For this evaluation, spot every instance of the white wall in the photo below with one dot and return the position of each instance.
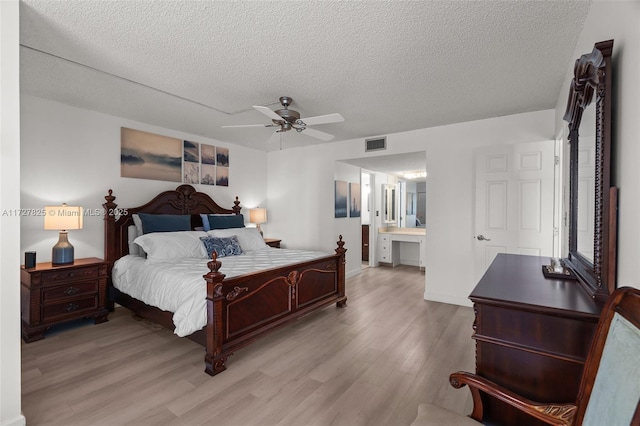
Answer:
(10, 384)
(72, 155)
(618, 21)
(303, 205)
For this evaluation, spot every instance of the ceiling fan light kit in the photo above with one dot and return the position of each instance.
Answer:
(286, 119)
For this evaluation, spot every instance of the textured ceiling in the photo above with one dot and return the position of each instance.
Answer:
(387, 67)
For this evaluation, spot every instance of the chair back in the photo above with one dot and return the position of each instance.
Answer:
(610, 387)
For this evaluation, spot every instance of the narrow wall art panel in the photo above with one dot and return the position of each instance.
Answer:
(208, 159)
(354, 200)
(191, 162)
(222, 167)
(341, 197)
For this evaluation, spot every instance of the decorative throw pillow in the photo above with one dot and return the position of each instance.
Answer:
(223, 246)
(205, 219)
(165, 222)
(225, 222)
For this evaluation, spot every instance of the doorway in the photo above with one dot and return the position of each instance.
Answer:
(365, 217)
(406, 172)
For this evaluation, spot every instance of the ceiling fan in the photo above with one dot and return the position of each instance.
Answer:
(286, 119)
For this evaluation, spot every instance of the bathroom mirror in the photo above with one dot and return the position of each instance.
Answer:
(389, 204)
(593, 202)
(412, 199)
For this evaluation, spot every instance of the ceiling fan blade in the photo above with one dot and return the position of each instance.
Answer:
(268, 112)
(250, 125)
(322, 119)
(317, 134)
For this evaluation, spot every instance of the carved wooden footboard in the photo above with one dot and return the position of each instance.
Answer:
(241, 309)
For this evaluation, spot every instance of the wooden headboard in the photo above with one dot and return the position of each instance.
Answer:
(183, 200)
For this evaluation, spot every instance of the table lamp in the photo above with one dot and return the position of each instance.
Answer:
(258, 216)
(62, 218)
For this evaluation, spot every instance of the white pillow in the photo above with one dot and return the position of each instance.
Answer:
(249, 238)
(134, 249)
(173, 245)
(138, 223)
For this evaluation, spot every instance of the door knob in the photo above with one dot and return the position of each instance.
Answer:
(481, 237)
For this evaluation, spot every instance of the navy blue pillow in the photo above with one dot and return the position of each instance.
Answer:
(223, 246)
(225, 222)
(165, 222)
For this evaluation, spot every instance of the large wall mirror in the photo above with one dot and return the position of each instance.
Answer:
(593, 202)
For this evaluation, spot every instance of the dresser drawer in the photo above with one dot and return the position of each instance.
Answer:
(70, 274)
(552, 334)
(384, 245)
(69, 308)
(70, 290)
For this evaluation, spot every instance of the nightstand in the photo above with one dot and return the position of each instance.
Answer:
(51, 295)
(272, 242)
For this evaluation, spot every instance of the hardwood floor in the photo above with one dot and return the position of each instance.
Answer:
(371, 363)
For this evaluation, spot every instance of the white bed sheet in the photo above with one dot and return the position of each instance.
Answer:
(179, 287)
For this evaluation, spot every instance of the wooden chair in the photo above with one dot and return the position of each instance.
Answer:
(609, 390)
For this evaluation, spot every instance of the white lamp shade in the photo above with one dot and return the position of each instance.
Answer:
(63, 218)
(258, 215)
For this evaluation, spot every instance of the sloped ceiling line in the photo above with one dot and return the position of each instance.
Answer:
(249, 108)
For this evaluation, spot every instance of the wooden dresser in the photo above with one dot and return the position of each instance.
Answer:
(532, 334)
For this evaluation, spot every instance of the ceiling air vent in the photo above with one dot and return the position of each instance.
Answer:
(375, 144)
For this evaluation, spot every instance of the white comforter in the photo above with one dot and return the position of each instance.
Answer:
(178, 286)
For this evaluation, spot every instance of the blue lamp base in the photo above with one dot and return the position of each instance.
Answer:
(62, 252)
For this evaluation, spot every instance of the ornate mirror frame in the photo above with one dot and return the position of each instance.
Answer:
(592, 83)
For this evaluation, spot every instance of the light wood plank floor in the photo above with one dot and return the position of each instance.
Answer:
(371, 363)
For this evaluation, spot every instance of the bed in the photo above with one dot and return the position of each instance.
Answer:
(239, 308)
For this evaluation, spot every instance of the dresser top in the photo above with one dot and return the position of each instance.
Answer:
(47, 266)
(517, 281)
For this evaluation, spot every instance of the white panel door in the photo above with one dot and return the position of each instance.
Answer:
(514, 201)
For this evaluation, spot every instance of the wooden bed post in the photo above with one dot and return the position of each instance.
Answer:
(341, 273)
(214, 359)
(109, 240)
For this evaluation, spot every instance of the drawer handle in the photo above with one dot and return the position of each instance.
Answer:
(71, 290)
(70, 274)
(71, 307)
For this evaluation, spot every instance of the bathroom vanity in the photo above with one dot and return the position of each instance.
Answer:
(401, 246)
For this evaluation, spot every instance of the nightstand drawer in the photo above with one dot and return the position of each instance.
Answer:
(72, 308)
(70, 290)
(70, 274)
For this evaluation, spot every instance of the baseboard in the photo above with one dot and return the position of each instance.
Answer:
(16, 421)
(447, 298)
(353, 273)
